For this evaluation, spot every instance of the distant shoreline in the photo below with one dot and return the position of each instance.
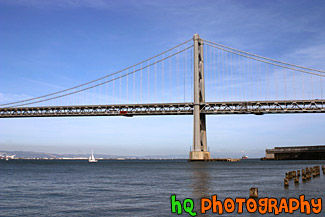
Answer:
(106, 159)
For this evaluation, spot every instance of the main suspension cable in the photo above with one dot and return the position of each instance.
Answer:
(62, 91)
(121, 76)
(273, 60)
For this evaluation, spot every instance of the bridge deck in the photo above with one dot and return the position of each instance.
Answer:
(211, 108)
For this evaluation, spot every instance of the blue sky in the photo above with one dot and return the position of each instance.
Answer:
(47, 46)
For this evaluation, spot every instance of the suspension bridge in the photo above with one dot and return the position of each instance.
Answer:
(198, 77)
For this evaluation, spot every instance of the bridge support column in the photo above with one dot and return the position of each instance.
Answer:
(199, 150)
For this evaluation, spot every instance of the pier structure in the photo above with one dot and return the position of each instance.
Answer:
(296, 153)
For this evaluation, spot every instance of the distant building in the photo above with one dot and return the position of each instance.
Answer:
(296, 153)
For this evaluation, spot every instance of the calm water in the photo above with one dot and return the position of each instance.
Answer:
(139, 188)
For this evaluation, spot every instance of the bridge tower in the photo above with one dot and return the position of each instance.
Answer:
(199, 150)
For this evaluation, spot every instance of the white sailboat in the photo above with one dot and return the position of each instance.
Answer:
(92, 158)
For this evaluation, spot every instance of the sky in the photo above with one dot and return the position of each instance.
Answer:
(47, 46)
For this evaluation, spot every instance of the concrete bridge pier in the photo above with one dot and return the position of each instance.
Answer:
(200, 149)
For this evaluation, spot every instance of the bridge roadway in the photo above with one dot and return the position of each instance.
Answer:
(209, 108)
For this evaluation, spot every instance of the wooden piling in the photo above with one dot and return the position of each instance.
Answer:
(304, 177)
(253, 193)
(296, 180)
(314, 172)
(286, 183)
(318, 170)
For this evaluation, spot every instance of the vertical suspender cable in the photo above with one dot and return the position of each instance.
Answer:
(312, 87)
(260, 81)
(222, 77)
(276, 82)
(155, 80)
(177, 76)
(243, 72)
(285, 84)
(163, 79)
(218, 77)
(206, 67)
(294, 86)
(170, 79)
(241, 83)
(127, 86)
(114, 98)
(214, 75)
(251, 79)
(105, 92)
(268, 81)
(141, 85)
(303, 85)
(120, 89)
(231, 76)
(321, 87)
(148, 84)
(99, 95)
(134, 85)
(185, 74)
(226, 76)
(192, 97)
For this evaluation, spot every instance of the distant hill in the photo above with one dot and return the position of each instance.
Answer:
(30, 154)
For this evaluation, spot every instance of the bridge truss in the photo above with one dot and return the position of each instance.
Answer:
(209, 108)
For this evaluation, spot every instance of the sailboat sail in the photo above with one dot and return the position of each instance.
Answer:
(92, 158)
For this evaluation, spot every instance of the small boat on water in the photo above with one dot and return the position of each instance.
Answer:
(244, 157)
(92, 158)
